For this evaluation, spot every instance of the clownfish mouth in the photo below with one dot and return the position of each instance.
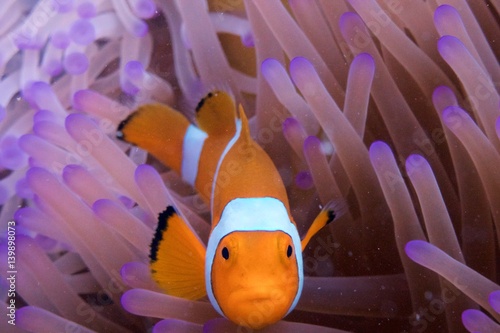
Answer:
(269, 302)
(256, 308)
(274, 295)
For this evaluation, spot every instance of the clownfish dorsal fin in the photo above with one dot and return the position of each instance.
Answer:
(245, 129)
(330, 212)
(216, 113)
(177, 257)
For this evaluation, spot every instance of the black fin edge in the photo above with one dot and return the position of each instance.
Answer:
(163, 218)
(335, 209)
(331, 216)
(203, 100)
(123, 123)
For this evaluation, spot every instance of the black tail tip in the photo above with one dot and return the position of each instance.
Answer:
(162, 226)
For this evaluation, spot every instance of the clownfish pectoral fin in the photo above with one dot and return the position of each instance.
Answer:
(330, 212)
(158, 129)
(216, 113)
(177, 258)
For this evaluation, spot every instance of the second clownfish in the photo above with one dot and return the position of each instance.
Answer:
(251, 269)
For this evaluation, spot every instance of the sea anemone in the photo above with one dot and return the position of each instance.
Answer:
(390, 106)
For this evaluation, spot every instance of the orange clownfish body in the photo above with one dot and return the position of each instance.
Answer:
(251, 268)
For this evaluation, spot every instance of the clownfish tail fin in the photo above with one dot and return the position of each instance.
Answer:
(177, 257)
(216, 113)
(158, 129)
(330, 212)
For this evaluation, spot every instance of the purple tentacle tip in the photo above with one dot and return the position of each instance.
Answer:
(413, 162)
(476, 321)
(145, 9)
(23, 190)
(469, 317)
(304, 180)
(70, 171)
(454, 116)
(128, 298)
(311, 141)
(366, 61)
(448, 46)
(79, 99)
(377, 149)
(346, 20)
(33, 92)
(144, 169)
(134, 70)
(443, 12)
(44, 115)
(25, 42)
(73, 123)
(140, 28)
(76, 63)
(497, 127)
(34, 173)
(53, 67)
(86, 10)
(247, 40)
(442, 97)
(82, 32)
(441, 90)
(129, 88)
(126, 201)
(62, 6)
(299, 64)
(416, 249)
(60, 40)
(289, 123)
(269, 68)
(494, 300)
(11, 155)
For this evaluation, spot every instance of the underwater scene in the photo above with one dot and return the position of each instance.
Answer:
(250, 166)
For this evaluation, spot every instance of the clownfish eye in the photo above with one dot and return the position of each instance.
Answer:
(225, 253)
(289, 251)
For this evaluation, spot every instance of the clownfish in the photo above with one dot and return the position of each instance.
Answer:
(251, 269)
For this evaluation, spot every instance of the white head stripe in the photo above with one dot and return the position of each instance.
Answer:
(252, 214)
(191, 151)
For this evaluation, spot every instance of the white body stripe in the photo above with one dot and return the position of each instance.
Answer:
(252, 214)
(191, 151)
(229, 145)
